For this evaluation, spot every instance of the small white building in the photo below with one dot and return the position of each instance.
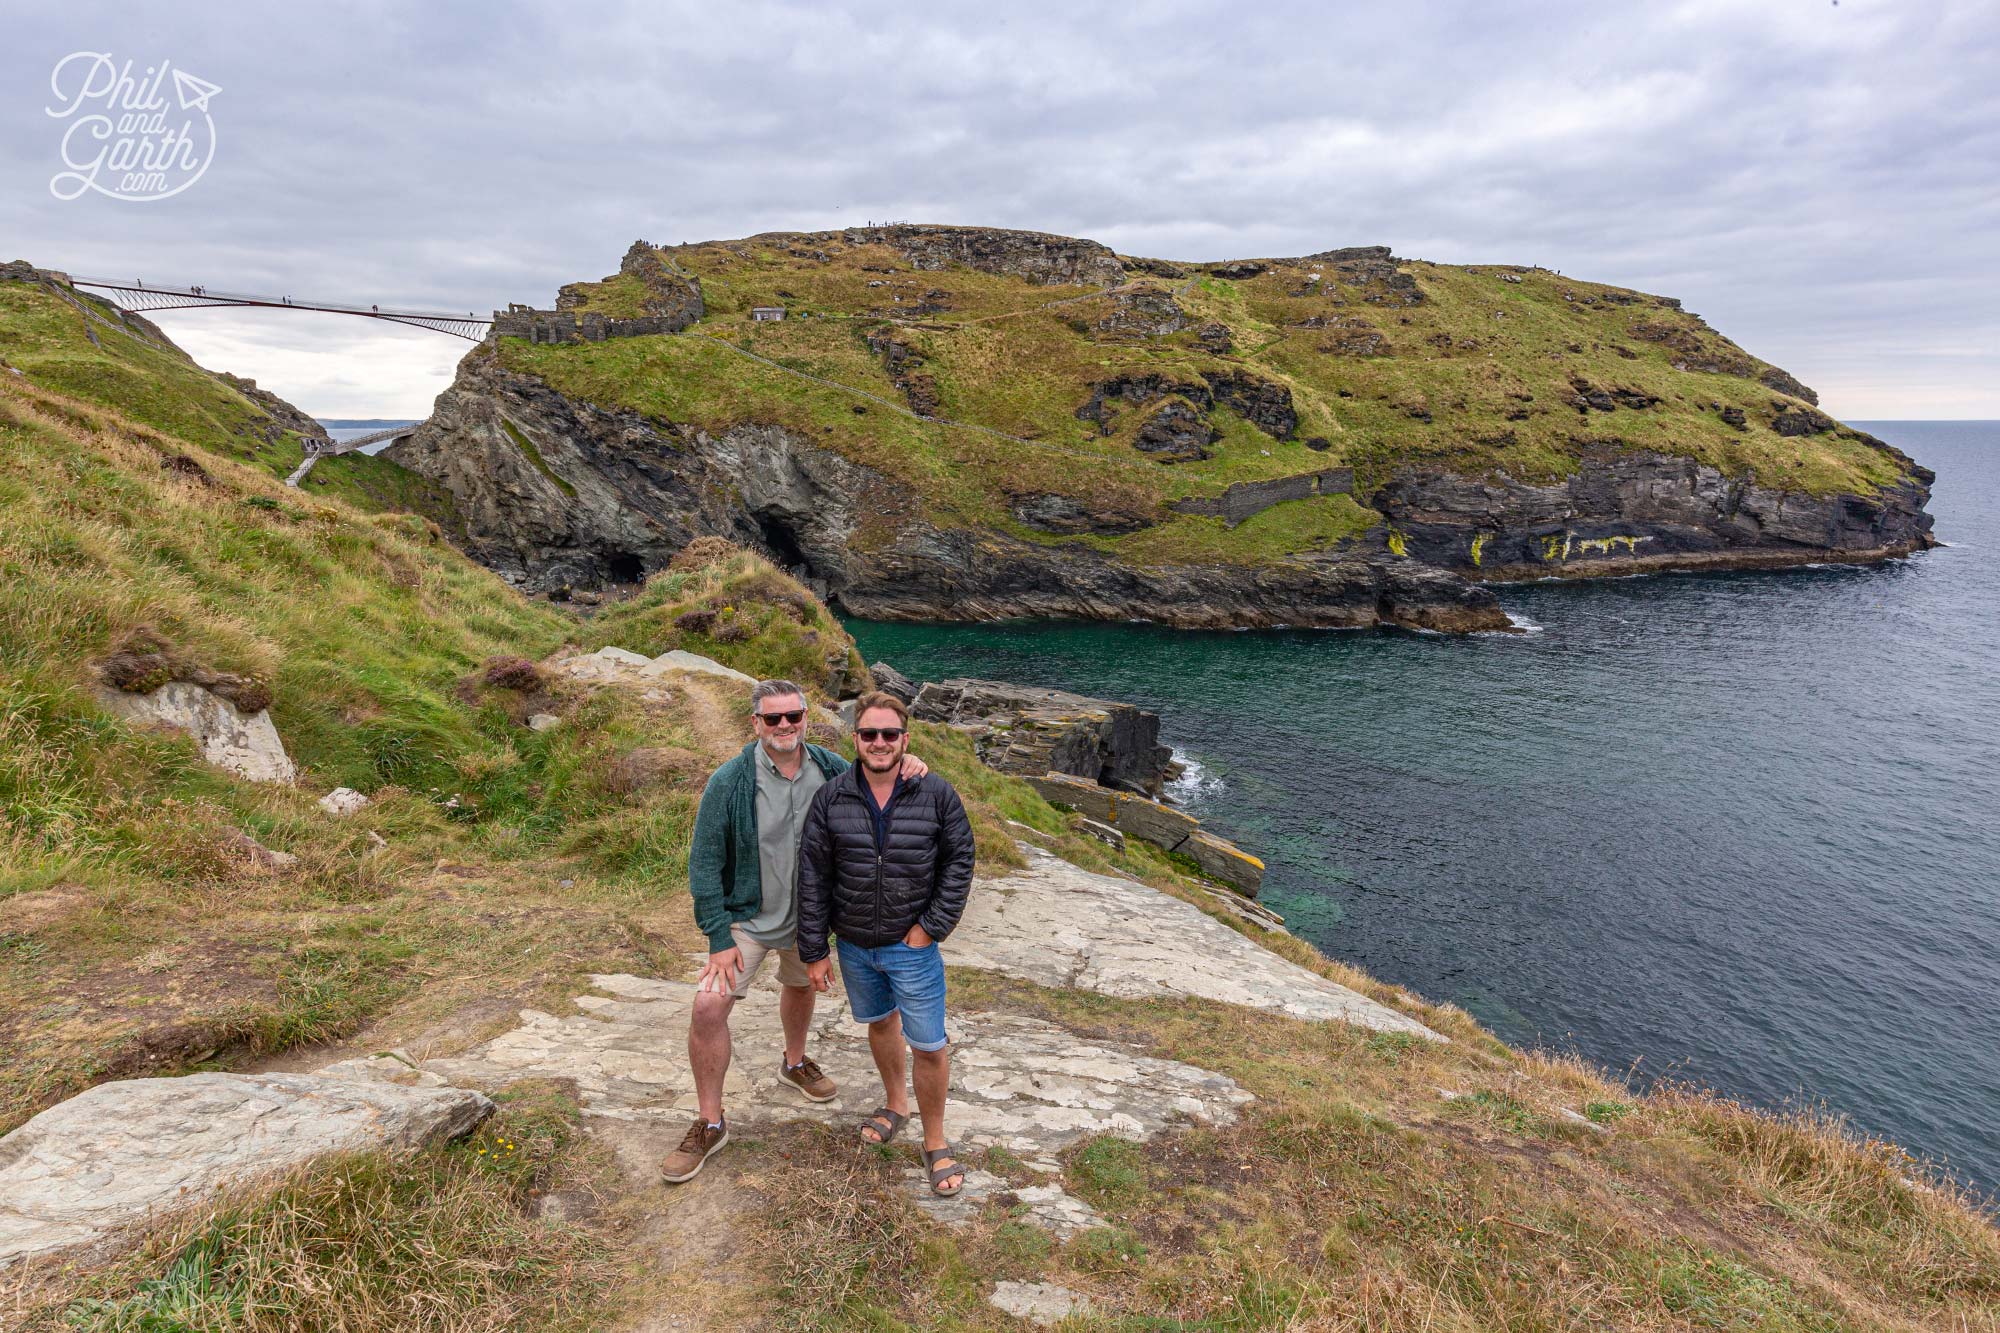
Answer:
(767, 312)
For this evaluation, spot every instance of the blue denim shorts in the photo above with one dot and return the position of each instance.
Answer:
(894, 977)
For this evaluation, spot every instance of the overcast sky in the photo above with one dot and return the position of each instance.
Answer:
(1821, 181)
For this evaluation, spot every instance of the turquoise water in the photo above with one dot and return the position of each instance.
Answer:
(1734, 828)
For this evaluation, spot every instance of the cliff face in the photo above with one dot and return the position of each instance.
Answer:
(559, 495)
(1625, 514)
(1344, 439)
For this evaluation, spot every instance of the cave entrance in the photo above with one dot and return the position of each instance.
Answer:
(624, 567)
(784, 545)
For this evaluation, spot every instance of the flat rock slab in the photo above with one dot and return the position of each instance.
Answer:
(1062, 926)
(1042, 1304)
(621, 664)
(86, 1169)
(1018, 1083)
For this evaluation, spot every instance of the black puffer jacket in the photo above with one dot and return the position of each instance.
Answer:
(922, 874)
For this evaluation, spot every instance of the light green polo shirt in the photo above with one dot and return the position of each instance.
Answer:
(781, 815)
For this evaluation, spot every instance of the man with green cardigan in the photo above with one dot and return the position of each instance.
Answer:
(743, 875)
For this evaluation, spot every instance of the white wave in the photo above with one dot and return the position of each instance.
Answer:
(1195, 782)
(1520, 622)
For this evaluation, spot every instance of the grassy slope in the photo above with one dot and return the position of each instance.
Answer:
(1489, 362)
(75, 343)
(134, 935)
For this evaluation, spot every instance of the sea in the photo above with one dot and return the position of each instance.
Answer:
(1740, 830)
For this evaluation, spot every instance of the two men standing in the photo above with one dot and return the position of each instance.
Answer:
(776, 861)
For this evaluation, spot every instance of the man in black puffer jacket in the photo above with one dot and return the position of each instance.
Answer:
(885, 864)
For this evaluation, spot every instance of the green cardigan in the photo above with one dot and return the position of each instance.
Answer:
(723, 866)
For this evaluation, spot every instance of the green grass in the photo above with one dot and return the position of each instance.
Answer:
(535, 456)
(1108, 1172)
(1476, 378)
(79, 345)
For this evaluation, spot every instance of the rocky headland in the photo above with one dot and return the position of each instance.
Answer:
(935, 423)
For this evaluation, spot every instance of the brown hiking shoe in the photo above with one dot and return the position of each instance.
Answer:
(808, 1078)
(685, 1162)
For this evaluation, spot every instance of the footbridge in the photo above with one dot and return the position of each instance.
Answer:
(137, 295)
(318, 449)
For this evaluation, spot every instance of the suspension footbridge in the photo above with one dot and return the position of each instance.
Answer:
(140, 297)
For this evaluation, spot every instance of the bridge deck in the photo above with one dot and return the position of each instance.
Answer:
(138, 295)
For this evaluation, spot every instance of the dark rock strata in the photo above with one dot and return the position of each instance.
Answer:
(557, 495)
(1028, 732)
(1628, 513)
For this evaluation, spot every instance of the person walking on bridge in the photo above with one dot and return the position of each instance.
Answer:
(743, 876)
(885, 864)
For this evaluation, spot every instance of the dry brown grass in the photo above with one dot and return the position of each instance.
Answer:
(437, 1241)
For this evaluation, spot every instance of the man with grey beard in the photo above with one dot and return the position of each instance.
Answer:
(743, 876)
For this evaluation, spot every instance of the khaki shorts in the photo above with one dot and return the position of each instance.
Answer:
(791, 972)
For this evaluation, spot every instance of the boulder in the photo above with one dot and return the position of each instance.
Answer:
(1030, 732)
(257, 853)
(1104, 833)
(88, 1172)
(621, 664)
(1079, 794)
(342, 801)
(606, 664)
(681, 660)
(245, 744)
(891, 681)
(543, 722)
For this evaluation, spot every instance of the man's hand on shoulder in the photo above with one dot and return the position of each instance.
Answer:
(720, 974)
(914, 768)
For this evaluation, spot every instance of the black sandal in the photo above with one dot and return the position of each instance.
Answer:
(940, 1174)
(885, 1122)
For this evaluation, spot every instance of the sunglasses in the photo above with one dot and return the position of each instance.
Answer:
(873, 734)
(789, 719)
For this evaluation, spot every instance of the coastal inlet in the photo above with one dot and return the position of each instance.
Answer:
(1736, 828)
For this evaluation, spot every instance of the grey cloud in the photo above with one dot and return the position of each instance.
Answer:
(1818, 180)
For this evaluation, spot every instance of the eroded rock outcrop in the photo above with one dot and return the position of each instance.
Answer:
(558, 494)
(1165, 827)
(1029, 732)
(1035, 256)
(562, 495)
(1626, 513)
(246, 744)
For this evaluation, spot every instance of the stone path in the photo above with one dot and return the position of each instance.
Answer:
(1017, 1083)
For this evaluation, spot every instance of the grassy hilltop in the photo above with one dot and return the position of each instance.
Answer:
(1259, 369)
(142, 931)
